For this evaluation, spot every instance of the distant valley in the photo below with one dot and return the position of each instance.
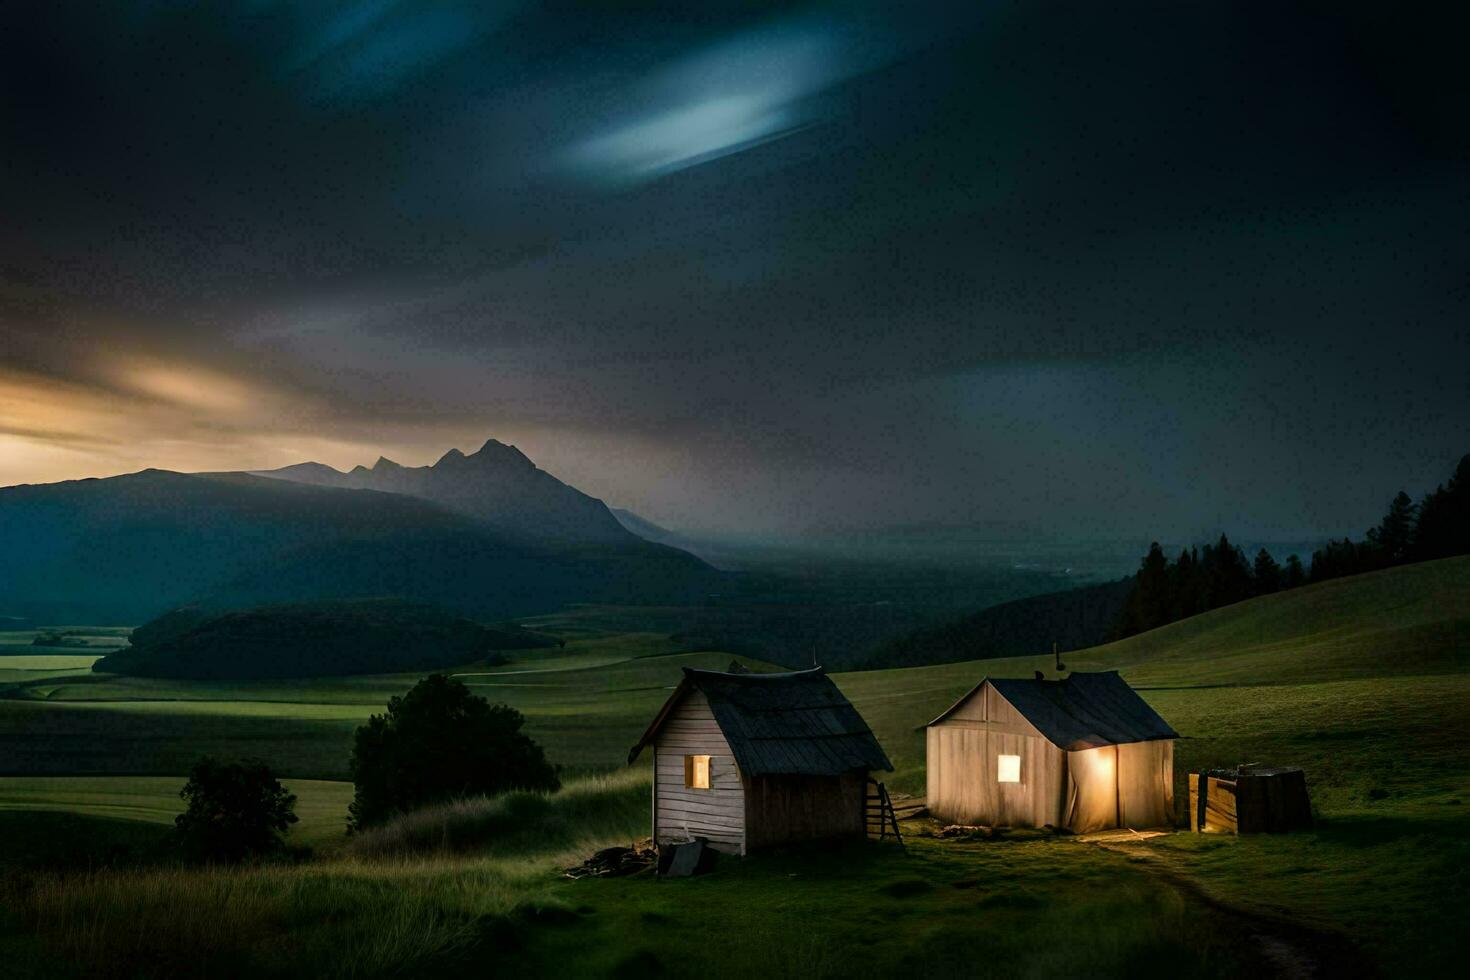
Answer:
(491, 536)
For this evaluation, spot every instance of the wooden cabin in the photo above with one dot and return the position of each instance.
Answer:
(1083, 753)
(750, 761)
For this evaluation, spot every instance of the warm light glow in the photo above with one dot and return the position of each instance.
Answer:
(176, 418)
(1008, 769)
(188, 386)
(696, 771)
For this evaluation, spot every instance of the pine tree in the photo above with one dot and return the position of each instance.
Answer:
(1338, 558)
(1393, 536)
(1149, 604)
(1228, 577)
(1153, 586)
(1267, 573)
(1293, 575)
(1443, 528)
(1188, 587)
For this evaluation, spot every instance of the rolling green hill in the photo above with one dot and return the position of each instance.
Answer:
(1379, 637)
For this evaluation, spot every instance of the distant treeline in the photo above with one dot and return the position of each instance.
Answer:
(312, 639)
(1072, 619)
(1217, 575)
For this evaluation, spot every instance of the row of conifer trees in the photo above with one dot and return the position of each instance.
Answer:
(1219, 574)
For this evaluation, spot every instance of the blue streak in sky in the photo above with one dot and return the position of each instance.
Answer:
(755, 87)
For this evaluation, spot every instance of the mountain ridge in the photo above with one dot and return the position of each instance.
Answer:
(497, 484)
(127, 548)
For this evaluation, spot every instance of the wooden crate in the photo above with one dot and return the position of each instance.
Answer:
(1250, 799)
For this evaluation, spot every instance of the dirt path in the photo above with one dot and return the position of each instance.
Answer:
(1297, 952)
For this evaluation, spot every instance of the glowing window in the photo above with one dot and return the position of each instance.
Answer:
(696, 771)
(1008, 769)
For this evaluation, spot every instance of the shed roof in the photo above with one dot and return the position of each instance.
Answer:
(794, 723)
(1080, 711)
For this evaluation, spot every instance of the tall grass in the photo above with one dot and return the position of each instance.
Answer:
(336, 919)
(593, 810)
(416, 895)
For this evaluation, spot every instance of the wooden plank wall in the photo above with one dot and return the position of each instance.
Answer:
(782, 809)
(1092, 789)
(1219, 805)
(961, 754)
(681, 813)
(1146, 783)
(1272, 802)
(1252, 803)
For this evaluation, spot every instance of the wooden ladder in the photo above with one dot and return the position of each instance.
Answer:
(878, 811)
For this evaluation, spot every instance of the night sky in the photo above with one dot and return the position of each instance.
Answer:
(1087, 269)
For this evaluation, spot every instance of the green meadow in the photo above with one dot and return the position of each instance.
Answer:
(1364, 682)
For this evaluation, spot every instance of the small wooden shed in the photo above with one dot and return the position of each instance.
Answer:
(1083, 753)
(749, 761)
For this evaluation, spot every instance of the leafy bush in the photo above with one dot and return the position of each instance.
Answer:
(440, 742)
(236, 810)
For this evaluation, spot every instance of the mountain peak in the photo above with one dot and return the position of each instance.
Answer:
(495, 450)
(311, 467)
(496, 484)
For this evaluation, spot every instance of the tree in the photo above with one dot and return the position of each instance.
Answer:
(1338, 558)
(1443, 528)
(1267, 573)
(441, 742)
(1188, 589)
(1150, 603)
(1227, 574)
(1293, 575)
(1393, 536)
(236, 810)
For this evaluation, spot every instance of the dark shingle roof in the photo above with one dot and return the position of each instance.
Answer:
(1081, 711)
(794, 723)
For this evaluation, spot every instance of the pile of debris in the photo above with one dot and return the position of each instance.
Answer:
(615, 862)
(961, 831)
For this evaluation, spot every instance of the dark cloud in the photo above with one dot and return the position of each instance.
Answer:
(1093, 268)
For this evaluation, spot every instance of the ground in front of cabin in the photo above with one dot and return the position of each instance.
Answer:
(1036, 906)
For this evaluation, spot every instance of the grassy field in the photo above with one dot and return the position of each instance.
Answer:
(867, 910)
(320, 804)
(21, 660)
(1365, 682)
(582, 702)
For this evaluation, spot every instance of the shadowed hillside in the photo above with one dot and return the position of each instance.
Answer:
(1071, 619)
(128, 548)
(497, 485)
